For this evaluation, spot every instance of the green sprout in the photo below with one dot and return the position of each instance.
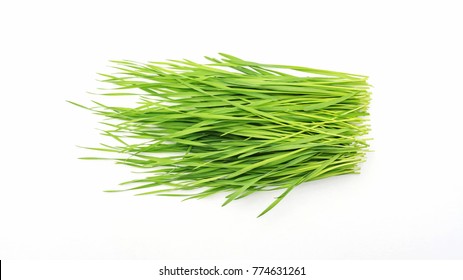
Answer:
(233, 126)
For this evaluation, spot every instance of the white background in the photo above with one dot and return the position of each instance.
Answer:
(406, 204)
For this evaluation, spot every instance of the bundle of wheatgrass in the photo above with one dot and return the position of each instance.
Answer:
(234, 126)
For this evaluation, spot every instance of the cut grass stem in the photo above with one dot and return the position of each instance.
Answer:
(240, 127)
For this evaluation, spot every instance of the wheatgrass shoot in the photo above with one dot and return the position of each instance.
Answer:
(233, 126)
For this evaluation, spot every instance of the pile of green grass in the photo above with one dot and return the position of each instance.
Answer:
(234, 126)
